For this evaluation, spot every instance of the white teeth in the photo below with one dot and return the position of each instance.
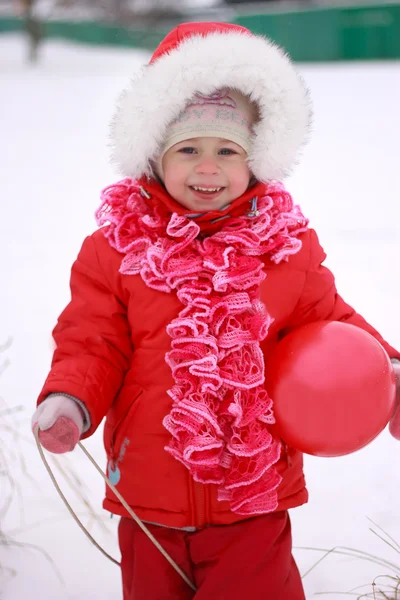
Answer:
(202, 189)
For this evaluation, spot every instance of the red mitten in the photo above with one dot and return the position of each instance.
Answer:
(394, 425)
(60, 422)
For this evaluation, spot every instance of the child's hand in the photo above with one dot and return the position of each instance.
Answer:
(60, 422)
(394, 425)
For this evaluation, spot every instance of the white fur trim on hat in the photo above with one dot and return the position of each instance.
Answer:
(251, 64)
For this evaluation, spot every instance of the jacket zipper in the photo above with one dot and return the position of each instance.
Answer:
(287, 455)
(200, 508)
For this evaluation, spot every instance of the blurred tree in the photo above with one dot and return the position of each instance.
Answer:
(33, 28)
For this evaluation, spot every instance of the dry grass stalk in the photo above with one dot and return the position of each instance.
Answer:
(383, 587)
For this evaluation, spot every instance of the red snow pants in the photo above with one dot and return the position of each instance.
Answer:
(248, 560)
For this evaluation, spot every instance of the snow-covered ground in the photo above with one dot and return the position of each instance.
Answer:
(54, 119)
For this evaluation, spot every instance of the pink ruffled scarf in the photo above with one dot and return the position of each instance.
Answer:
(221, 411)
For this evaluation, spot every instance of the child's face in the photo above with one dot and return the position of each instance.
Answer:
(216, 165)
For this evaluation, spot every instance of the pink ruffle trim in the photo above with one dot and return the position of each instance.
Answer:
(221, 411)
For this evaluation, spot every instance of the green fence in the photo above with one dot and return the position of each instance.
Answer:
(317, 34)
(99, 33)
(323, 34)
(10, 24)
(90, 32)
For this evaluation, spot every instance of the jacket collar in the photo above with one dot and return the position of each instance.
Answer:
(213, 220)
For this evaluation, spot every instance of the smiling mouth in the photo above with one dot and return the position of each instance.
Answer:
(206, 190)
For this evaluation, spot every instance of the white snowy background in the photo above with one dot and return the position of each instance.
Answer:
(54, 161)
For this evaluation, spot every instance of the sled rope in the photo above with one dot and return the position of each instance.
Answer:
(123, 502)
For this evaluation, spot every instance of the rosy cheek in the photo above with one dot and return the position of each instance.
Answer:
(177, 173)
(240, 178)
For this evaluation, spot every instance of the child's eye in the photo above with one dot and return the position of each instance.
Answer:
(187, 150)
(227, 151)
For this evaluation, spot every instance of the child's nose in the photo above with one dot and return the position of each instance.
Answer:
(207, 166)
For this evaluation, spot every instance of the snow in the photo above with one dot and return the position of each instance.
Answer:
(54, 122)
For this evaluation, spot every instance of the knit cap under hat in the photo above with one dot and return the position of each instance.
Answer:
(226, 114)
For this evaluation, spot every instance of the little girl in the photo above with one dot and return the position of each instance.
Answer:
(203, 264)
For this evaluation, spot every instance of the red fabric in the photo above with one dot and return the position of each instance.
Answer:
(110, 315)
(251, 559)
(205, 221)
(185, 30)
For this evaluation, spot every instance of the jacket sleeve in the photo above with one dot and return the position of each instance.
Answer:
(320, 301)
(93, 344)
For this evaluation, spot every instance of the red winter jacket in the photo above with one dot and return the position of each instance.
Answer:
(111, 343)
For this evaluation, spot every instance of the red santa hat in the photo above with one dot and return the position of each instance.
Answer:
(202, 58)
